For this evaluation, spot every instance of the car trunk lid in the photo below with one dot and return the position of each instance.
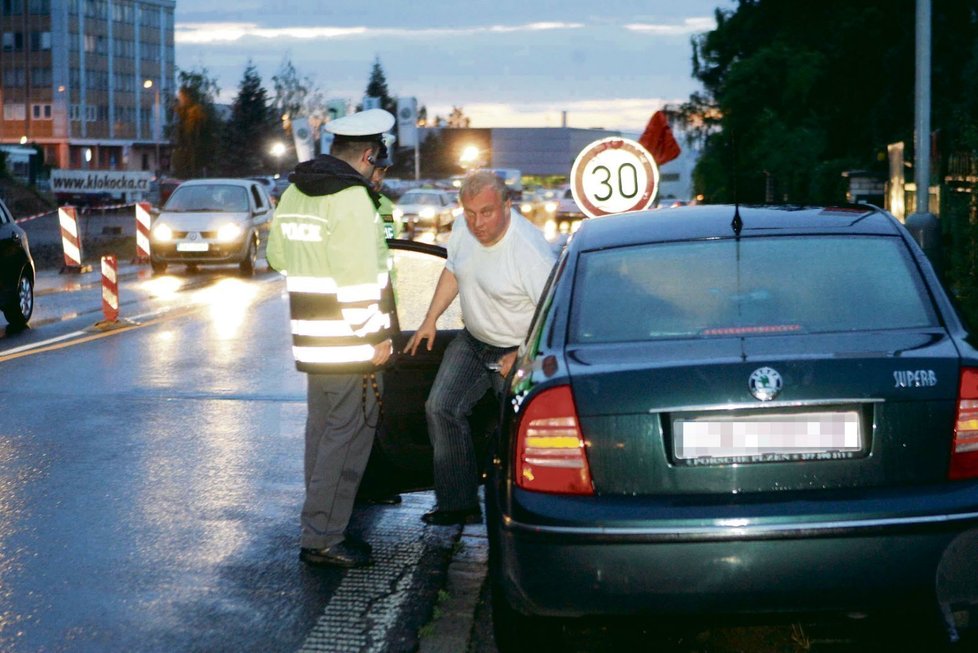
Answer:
(683, 416)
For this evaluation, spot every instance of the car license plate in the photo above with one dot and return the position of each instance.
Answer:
(191, 247)
(714, 439)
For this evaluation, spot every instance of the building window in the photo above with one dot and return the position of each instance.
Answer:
(14, 112)
(40, 41)
(13, 7)
(122, 12)
(96, 9)
(41, 111)
(40, 7)
(74, 112)
(14, 77)
(40, 76)
(13, 41)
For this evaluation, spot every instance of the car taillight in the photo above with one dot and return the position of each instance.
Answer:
(550, 454)
(964, 451)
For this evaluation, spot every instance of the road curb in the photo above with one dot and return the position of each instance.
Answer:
(450, 630)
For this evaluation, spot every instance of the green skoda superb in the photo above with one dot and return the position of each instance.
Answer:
(727, 409)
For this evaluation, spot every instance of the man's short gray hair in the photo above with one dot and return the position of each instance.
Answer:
(477, 181)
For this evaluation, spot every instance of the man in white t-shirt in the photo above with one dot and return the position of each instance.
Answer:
(498, 264)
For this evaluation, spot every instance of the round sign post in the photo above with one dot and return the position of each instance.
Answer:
(614, 175)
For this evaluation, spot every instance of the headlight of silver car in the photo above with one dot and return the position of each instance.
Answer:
(229, 232)
(162, 233)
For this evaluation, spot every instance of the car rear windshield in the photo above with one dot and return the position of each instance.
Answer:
(215, 197)
(755, 286)
(429, 199)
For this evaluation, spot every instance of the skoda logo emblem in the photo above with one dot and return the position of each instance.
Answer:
(765, 383)
(192, 235)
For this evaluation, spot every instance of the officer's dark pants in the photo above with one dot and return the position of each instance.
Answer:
(339, 433)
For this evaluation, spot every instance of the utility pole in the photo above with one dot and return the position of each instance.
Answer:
(923, 224)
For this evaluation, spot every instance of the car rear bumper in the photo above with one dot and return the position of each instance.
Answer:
(734, 565)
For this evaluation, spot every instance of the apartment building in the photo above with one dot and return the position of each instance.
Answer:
(90, 81)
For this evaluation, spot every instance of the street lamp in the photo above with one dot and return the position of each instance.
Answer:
(470, 157)
(277, 150)
(148, 84)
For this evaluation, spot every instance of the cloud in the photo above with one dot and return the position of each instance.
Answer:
(623, 114)
(229, 32)
(688, 26)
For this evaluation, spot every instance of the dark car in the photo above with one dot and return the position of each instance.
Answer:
(753, 410)
(16, 272)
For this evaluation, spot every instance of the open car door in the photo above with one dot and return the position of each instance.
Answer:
(401, 458)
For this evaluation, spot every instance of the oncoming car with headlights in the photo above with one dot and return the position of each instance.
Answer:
(426, 208)
(738, 410)
(211, 222)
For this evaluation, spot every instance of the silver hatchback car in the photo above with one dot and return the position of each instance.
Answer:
(211, 222)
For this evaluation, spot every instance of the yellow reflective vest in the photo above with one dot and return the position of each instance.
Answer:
(332, 251)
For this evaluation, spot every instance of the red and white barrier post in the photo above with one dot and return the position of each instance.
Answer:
(110, 288)
(143, 223)
(70, 239)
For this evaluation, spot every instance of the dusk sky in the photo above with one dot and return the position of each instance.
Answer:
(507, 63)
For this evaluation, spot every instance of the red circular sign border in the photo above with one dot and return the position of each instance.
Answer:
(597, 148)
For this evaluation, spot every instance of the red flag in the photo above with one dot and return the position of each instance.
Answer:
(658, 139)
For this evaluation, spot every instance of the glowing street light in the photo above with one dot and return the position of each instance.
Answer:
(470, 157)
(148, 84)
(277, 150)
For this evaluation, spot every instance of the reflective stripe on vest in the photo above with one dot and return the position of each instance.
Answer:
(349, 354)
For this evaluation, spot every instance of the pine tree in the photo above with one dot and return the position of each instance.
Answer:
(251, 129)
(377, 87)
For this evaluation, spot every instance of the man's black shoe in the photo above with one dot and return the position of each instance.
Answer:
(338, 555)
(446, 517)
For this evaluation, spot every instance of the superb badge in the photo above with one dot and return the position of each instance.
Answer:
(765, 383)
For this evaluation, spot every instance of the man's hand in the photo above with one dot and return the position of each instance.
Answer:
(382, 352)
(506, 363)
(425, 332)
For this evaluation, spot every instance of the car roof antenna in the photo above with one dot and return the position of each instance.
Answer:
(737, 224)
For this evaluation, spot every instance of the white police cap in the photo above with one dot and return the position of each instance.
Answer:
(362, 123)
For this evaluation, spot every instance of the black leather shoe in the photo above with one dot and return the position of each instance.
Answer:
(338, 555)
(446, 517)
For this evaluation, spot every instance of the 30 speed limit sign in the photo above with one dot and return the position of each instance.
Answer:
(614, 175)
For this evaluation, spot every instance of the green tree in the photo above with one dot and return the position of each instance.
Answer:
(796, 93)
(251, 129)
(197, 128)
(457, 119)
(377, 87)
(290, 92)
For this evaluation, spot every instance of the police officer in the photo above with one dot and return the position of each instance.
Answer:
(384, 161)
(328, 239)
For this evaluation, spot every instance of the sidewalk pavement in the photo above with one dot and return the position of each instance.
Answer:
(453, 625)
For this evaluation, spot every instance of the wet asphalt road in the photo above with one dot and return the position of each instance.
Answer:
(151, 478)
